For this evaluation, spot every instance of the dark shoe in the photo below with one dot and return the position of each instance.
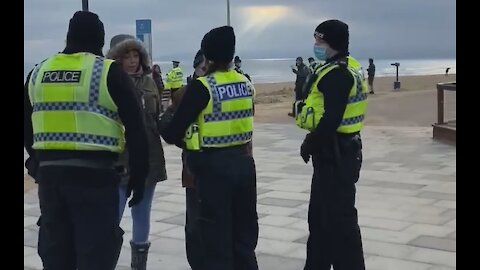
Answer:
(371, 92)
(139, 256)
(291, 114)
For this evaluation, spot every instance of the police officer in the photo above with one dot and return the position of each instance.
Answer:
(74, 105)
(174, 78)
(198, 66)
(192, 238)
(312, 64)
(238, 67)
(217, 110)
(334, 113)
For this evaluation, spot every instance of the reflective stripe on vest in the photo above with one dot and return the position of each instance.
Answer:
(75, 137)
(71, 113)
(75, 106)
(34, 75)
(228, 139)
(356, 109)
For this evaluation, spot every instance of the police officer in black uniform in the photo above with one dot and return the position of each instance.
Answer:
(339, 92)
(223, 168)
(78, 189)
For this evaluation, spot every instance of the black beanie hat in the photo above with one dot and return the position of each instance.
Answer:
(335, 33)
(86, 29)
(218, 45)
(198, 59)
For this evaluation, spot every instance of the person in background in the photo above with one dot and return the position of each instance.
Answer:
(135, 61)
(238, 67)
(157, 77)
(312, 64)
(302, 72)
(174, 78)
(192, 234)
(199, 68)
(371, 74)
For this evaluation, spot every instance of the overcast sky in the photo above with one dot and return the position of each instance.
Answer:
(382, 29)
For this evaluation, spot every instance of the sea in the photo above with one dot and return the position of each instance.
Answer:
(279, 70)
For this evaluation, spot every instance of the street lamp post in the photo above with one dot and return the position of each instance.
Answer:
(228, 12)
(396, 84)
(85, 5)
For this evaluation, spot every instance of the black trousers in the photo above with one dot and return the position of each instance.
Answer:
(79, 226)
(228, 221)
(193, 242)
(332, 217)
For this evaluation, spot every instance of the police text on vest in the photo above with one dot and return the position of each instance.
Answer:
(62, 76)
(233, 91)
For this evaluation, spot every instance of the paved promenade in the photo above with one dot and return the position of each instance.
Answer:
(406, 198)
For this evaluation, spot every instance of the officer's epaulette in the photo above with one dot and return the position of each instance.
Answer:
(39, 64)
(342, 62)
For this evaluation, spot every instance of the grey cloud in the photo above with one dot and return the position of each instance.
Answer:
(378, 28)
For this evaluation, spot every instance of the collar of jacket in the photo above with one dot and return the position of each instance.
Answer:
(336, 57)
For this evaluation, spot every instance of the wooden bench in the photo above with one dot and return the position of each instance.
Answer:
(445, 131)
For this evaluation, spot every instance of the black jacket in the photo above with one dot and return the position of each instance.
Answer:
(194, 100)
(371, 70)
(302, 72)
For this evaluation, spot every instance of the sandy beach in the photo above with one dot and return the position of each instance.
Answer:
(414, 105)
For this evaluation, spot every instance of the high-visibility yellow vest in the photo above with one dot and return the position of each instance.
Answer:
(354, 115)
(72, 108)
(227, 120)
(175, 78)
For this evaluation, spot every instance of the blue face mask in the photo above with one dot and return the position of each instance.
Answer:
(320, 53)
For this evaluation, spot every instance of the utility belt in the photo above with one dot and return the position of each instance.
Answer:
(76, 162)
(349, 142)
(340, 145)
(243, 148)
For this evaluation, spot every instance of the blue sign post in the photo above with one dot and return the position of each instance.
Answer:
(144, 33)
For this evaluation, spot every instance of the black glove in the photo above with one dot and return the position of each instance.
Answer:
(31, 164)
(306, 149)
(304, 153)
(165, 119)
(138, 188)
